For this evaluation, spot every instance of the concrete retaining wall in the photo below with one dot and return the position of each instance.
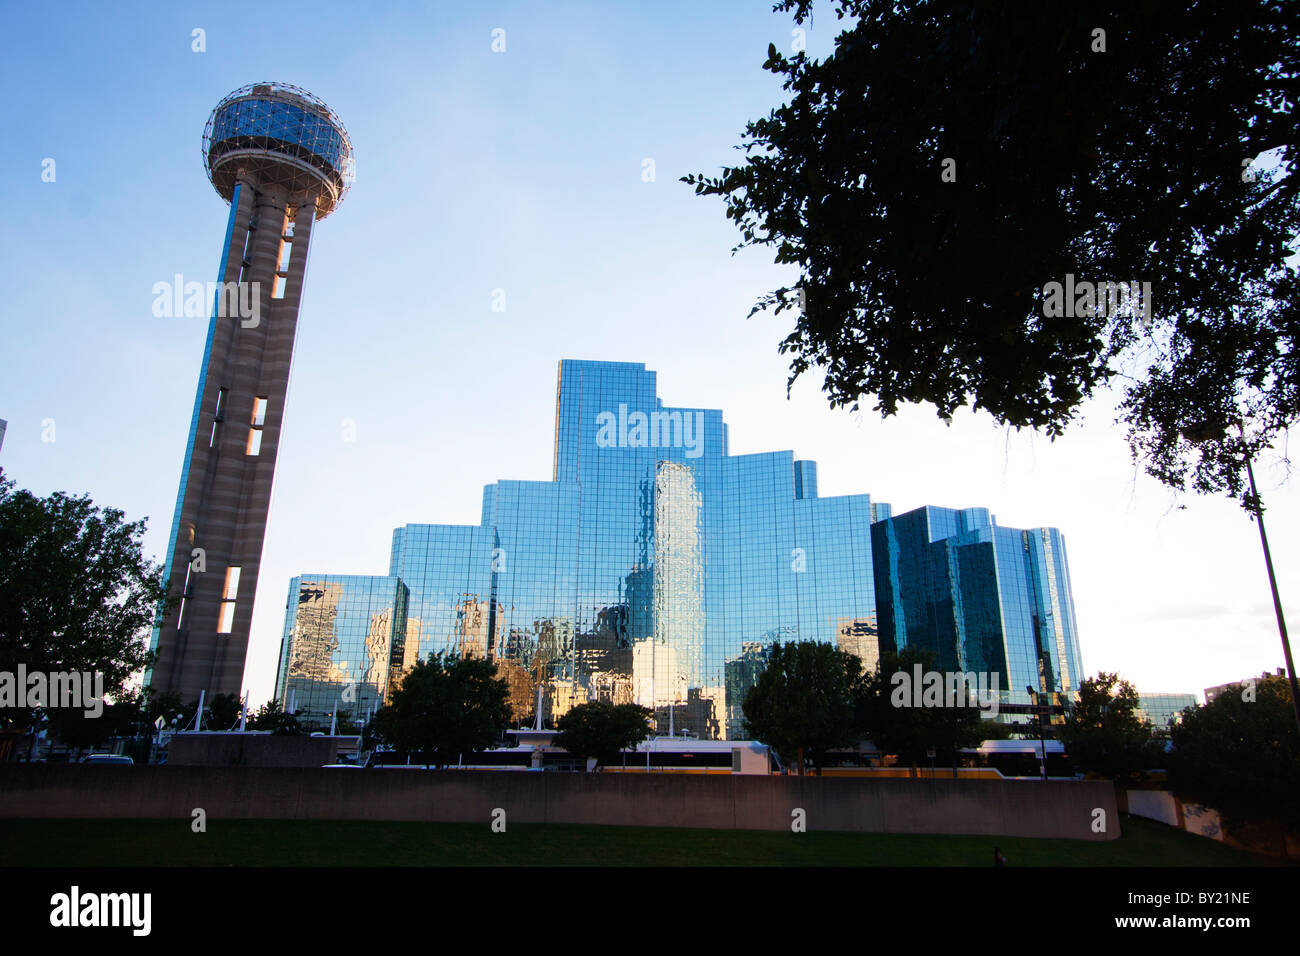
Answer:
(206, 749)
(1263, 835)
(1002, 808)
(1154, 805)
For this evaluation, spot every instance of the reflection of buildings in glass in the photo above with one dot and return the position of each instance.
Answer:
(405, 656)
(472, 627)
(603, 662)
(678, 571)
(344, 635)
(698, 714)
(656, 567)
(523, 690)
(378, 649)
(559, 696)
(742, 674)
(657, 674)
(312, 641)
(1162, 710)
(861, 638)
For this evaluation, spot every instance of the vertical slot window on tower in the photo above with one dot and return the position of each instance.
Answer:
(228, 595)
(282, 263)
(254, 446)
(185, 596)
(218, 415)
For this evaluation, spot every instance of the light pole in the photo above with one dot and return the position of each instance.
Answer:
(1212, 432)
(1042, 739)
(1277, 598)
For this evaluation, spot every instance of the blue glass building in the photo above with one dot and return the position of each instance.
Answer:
(655, 567)
(980, 597)
(342, 635)
(1164, 710)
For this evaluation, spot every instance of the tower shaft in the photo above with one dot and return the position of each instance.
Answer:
(226, 481)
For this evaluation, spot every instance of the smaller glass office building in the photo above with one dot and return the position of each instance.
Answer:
(341, 636)
(1164, 710)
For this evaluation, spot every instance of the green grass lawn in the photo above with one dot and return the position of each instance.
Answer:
(326, 843)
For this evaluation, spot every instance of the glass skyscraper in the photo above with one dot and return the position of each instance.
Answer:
(655, 568)
(341, 638)
(980, 597)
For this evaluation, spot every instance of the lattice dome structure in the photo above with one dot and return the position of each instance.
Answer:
(285, 137)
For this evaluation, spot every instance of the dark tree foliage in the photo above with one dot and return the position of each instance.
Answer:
(601, 730)
(221, 711)
(270, 717)
(1137, 155)
(1104, 734)
(802, 704)
(76, 591)
(1240, 754)
(76, 729)
(344, 723)
(446, 706)
(908, 731)
(167, 705)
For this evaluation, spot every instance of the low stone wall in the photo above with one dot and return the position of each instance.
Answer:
(1080, 810)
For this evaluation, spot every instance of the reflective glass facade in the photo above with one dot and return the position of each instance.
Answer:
(263, 123)
(1164, 709)
(982, 598)
(656, 568)
(341, 636)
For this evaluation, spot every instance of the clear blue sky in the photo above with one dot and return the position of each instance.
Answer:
(519, 171)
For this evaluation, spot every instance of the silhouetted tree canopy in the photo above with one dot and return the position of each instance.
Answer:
(281, 724)
(1103, 732)
(1240, 754)
(951, 159)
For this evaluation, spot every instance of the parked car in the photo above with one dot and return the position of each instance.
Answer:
(107, 758)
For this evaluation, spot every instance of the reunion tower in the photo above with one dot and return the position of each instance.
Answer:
(283, 160)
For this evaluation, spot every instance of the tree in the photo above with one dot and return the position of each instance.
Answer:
(77, 729)
(895, 726)
(601, 730)
(164, 704)
(446, 706)
(270, 717)
(343, 722)
(1240, 754)
(76, 592)
(950, 160)
(221, 711)
(1104, 734)
(802, 704)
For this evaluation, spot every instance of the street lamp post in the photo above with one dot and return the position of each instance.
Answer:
(1277, 599)
(1257, 509)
